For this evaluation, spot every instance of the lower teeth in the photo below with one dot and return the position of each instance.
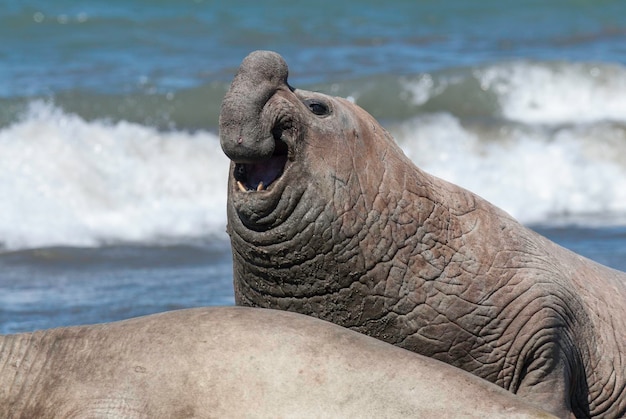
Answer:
(243, 188)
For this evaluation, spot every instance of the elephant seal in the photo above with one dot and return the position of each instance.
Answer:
(327, 217)
(233, 362)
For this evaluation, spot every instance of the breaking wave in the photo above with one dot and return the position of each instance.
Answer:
(541, 140)
(65, 181)
(537, 174)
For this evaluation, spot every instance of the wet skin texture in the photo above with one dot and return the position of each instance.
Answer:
(344, 227)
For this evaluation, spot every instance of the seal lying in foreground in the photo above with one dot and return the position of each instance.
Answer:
(232, 362)
(328, 217)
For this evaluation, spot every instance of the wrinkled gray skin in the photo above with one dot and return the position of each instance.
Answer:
(231, 363)
(353, 233)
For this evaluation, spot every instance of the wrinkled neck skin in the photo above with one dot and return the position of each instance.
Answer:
(363, 238)
(367, 247)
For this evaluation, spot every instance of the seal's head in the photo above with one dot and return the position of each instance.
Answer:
(293, 152)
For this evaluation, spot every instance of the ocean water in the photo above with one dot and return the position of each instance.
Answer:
(113, 183)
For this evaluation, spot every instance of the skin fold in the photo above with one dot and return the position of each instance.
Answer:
(233, 362)
(352, 232)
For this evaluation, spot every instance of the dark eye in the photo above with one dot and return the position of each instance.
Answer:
(317, 107)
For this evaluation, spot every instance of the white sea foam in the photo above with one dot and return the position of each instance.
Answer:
(552, 140)
(556, 93)
(527, 92)
(65, 181)
(534, 173)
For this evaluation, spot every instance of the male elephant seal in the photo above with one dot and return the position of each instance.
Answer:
(232, 362)
(328, 217)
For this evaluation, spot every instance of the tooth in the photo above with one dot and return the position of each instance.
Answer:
(241, 187)
(260, 187)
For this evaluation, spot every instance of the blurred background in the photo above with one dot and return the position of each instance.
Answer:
(113, 184)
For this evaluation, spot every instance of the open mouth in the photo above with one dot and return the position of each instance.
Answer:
(259, 176)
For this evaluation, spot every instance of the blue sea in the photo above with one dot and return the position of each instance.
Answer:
(113, 183)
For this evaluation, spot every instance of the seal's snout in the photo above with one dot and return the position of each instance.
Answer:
(244, 136)
(262, 67)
